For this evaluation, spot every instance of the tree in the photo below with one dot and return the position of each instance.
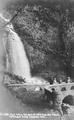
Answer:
(66, 41)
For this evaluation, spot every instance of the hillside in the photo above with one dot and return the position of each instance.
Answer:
(46, 29)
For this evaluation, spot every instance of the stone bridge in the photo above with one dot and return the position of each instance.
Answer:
(63, 89)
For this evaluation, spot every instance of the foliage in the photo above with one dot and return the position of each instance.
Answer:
(46, 31)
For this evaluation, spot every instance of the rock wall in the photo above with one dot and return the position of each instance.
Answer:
(43, 29)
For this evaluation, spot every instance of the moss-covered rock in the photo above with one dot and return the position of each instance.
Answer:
(38, 25)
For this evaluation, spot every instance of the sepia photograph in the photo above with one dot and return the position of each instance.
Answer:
(36, 59)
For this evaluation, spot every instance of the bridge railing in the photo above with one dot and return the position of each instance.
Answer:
(48, 86)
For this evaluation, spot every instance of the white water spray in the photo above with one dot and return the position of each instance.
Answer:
(17, 59)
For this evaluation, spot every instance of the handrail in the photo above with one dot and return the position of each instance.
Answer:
(29, 84)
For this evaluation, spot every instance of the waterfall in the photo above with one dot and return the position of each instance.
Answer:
(17, 61)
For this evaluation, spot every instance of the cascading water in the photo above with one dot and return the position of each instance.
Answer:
(16, 55)
(18, 61)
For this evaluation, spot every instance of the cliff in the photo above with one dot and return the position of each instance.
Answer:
(46, 29)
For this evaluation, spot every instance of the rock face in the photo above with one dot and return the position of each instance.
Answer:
(46, 29)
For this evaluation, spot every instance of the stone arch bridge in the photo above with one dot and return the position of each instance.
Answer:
(62, 90)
